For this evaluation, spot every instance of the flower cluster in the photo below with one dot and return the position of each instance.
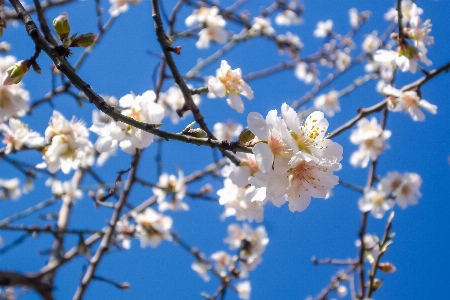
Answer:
(230, 83)
(417, 31)
(371, 139)
(394, 188)
(152, 228)
(214, 26)
(69, 146)
(293, 161)
(9, 188)
(172, 100)
(141, 108)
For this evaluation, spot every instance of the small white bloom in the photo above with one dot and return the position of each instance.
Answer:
(287, 18)
(120, 6)
(229, 83)
(244, 289)
(67, 190)
(125, 231)
(343, 60)
(228, 131)
(152, 228)
(304, 73)
(353, 16)
(376, 201)
(409, 10)
(9, 188)
(371, 139)
(323, 28)
(328, 103)
(175, 187)
(223, 262)
(261, 26)
(371, 42)
(405, 188)
(201, 267)
(172, 100)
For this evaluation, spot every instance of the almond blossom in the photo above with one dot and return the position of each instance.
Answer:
(173, 186)
(409, 11)
(120, 6)
(371, 139)
(328, 103)
(227, 131)
(201, 267)
(261, 26)
(69, 145)
(17, 135)
(304, 73)
(376, 201)
(214, 26)
(172, 100)
(9, 188)
(141, 108)
(243, 288)
(230, 83)
(288, 17)
(323, 28)
(404, 188)
(152, 228)
(410, 102)
(224, 262)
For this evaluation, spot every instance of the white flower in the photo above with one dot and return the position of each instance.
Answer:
(142, 108)
(119, 6)
(176, 188)
(370, 245)
(201, 267)
(376, 201)
(343, 60)
(261, 26)
(323, 28)
(342, 291)
(251, 242)
(328, 103)
(290, 41)
(371, 42)
(201, 15)
(405, 188)
(371, 140)
(288, 17)
(303, 73)
(409, 10)
(236, 204)
(410, 102)
(227, 131)
(67, 190)
(405, 58)
(17, 135)
(9, 188)
(125, 231)
(69, 145)
(243, 288)
(214, 26)
(223, 262)
(353, 16)
(152, 228)
(229, 83)
(172, 100)
(420, 32)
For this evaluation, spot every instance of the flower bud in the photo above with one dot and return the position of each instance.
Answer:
(197, 132)
(15, 73)
(61, 25)
(387, 267)
(245, 136)
(84, 40)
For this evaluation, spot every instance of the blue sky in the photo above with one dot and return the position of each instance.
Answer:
(327, 229)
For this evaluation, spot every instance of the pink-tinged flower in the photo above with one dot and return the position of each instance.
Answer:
(405, 188)
(152, 228)
(371, 139)
(69, 145)
(230, 83)
(410, 102)
(175, 188)
(323, 28)
(17, 135)
(309, 177)
(328, 103)
(376, 201)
